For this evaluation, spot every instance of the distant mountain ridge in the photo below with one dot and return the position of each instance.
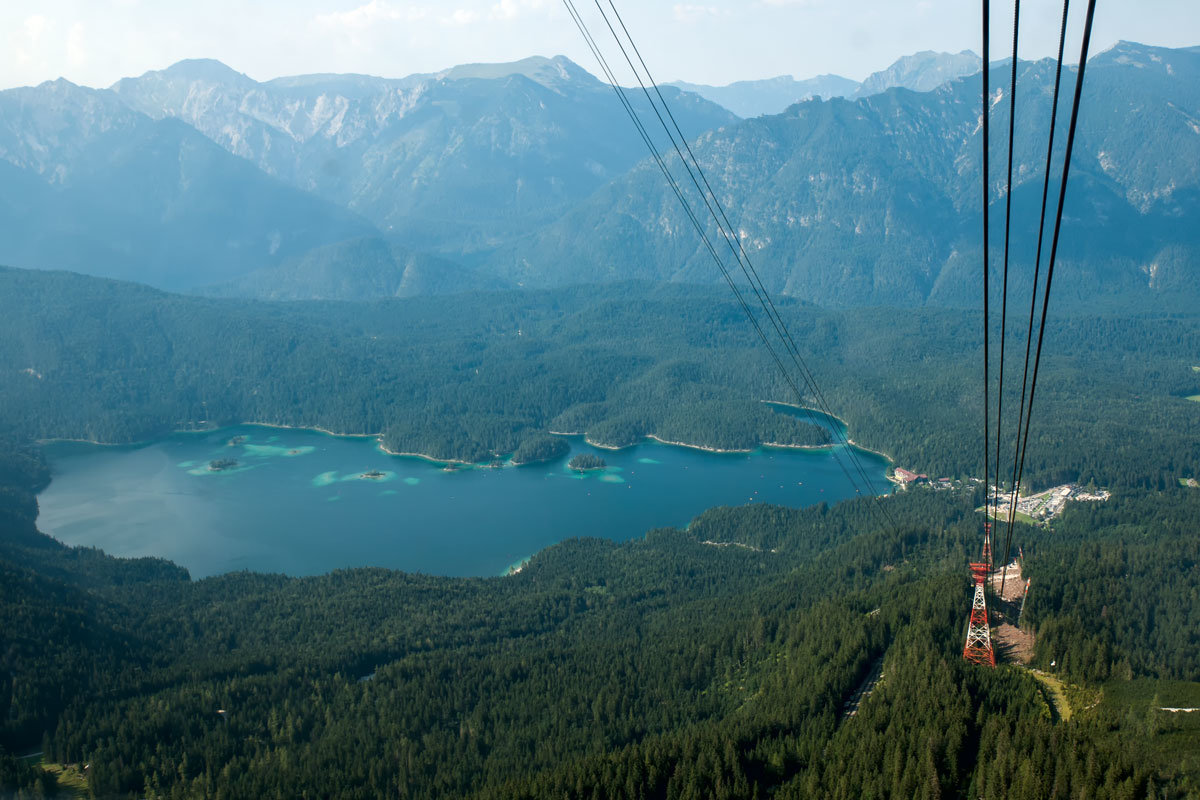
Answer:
(89, 184)
(449, 162)
(874, 201)
(198, 175)
(770, 95)
(920, 72)
(528, 174)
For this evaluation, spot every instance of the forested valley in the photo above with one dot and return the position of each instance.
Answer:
(662, 666)
(715, 660)
(476, 266)
(473, 377)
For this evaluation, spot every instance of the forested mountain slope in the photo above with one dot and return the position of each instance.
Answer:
(875, 201)
(356, 269)
(661, 666)
(472, 376)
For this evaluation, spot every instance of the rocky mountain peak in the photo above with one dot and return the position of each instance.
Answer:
(921, 72)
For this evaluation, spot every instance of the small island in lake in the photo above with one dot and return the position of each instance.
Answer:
(373, 475)
(235, 441)
(220, 464)
(586, 461)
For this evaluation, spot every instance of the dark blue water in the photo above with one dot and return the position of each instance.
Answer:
(296, 502)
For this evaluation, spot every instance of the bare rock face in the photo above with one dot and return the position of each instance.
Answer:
(921, 72)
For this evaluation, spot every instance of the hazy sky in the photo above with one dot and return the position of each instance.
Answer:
(95, 42)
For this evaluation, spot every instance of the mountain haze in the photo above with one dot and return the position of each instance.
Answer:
(874, 201)
(89, 184)
(770, 95)
(357, 269)
(921, 72)
(528, 173)
(450, 162)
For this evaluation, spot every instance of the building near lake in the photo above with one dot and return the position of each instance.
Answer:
(906, 477)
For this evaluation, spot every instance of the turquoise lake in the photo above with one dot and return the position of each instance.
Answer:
(297, 502)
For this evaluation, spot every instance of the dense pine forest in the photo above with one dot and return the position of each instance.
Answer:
(473, 377)
(712, 661)
(661, 666)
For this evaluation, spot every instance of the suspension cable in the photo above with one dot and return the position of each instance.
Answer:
(1062, 194)
(1012, 120)
(726, 229)
(758, 289)
(1015, 493)
(688, 209)
(987, 428)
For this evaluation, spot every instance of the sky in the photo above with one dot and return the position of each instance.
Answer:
(96, 42)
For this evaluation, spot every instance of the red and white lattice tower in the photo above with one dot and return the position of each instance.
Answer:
(978, 649)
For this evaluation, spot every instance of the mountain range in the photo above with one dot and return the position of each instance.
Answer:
(921, 72)
(771, 95)
(450, 162)
(488, 175)
(197, 175)
(875, 201)
(90, 185)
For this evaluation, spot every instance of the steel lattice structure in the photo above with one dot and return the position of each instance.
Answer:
(978, 649)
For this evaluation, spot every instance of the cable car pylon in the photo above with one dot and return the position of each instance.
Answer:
(978, 648)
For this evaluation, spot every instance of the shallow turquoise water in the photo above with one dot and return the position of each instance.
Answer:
(296, 502)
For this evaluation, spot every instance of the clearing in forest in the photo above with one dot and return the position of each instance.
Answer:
(71, 778)
(1057, 692)
(1012, 645)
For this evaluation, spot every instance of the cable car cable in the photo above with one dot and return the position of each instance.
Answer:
(987, 428)
(1037, 264)
(1062, 194)
(687, 208)
(726, 229)
(1012, 120)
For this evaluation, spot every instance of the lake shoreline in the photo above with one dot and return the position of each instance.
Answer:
(273, 425)
(769, 445)
(459, 462)
(845, 425)
(483, 505)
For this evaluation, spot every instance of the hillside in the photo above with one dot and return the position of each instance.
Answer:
(471, 376)
(874, 201)
(450, 162)
(661, 666)
(357, 269)
(90, 185)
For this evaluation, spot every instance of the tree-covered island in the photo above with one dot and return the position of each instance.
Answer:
(586, 461)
